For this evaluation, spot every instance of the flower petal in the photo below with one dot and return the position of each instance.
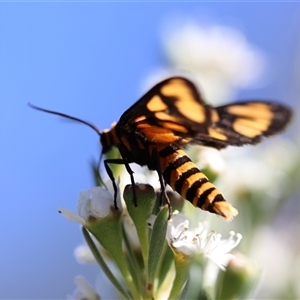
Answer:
(71, 216)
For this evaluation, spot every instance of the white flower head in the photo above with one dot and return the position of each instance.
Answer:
(199, 240)
(215, 55)
(141, 175)
(208, 158)
(266, 169)
(83, 253)
(84, 291)
(96, 202)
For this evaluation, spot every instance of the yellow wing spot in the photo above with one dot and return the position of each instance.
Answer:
(141, 118)
(186, 103)
(214, 116)
(156, 104)
(165, 117)
(252, 110)
(217, 134)
(250, 128)
(173, 126)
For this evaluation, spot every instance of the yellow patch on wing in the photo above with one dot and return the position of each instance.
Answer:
(217, 134)
(173, 125)
(186, 103)
(156, 104)
(214, 116)
(251, 110)
(251, 128)
(141, 118)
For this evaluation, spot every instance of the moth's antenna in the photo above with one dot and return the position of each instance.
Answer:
(95, 128)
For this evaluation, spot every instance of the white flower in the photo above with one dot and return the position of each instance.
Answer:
(275, 257)
(96, 202)
(71, 216)
(199, 240)
(84, 291)
(206, 157)
(141, 175)
(219, 57)
(264, 168)
(83, 253)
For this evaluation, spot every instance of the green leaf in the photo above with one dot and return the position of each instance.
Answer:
(182, 266)
(157, 242)
(103, 264)
(96, 174)
(141, 213)
(166, 263)
(238, 281)
(133, 263)
(184, 291)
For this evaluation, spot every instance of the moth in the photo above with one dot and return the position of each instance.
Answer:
(154, 131)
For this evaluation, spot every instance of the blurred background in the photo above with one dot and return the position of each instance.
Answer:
(92, 61)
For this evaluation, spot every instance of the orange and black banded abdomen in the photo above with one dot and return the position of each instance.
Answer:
(186, 178)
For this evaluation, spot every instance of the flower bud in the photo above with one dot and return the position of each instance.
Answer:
(238, 280)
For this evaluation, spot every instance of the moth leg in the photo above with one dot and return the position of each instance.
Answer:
(120, 161)
(161, 181)
(110, 174)
(130, 172)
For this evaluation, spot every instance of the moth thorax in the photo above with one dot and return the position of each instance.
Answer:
(109, 138)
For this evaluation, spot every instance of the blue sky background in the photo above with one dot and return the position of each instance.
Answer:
(89, 60)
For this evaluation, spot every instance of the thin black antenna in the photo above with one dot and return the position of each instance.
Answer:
(67, 116)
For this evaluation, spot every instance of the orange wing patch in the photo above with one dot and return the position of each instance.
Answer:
(186, 104)
(158, 135)
(251, 128)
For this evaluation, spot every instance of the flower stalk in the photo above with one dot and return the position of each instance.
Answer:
(141, 213)
(182, 265)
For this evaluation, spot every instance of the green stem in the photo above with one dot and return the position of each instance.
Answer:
(157, 242)
(143, 234)
(182, 263)
(103, 265)
(133, 262)
(108, 232)
(121, 262)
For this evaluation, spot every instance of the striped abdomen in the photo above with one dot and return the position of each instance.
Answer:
(186, 178)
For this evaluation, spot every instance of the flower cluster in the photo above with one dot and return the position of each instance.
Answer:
(109, 242)
(199, 240)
